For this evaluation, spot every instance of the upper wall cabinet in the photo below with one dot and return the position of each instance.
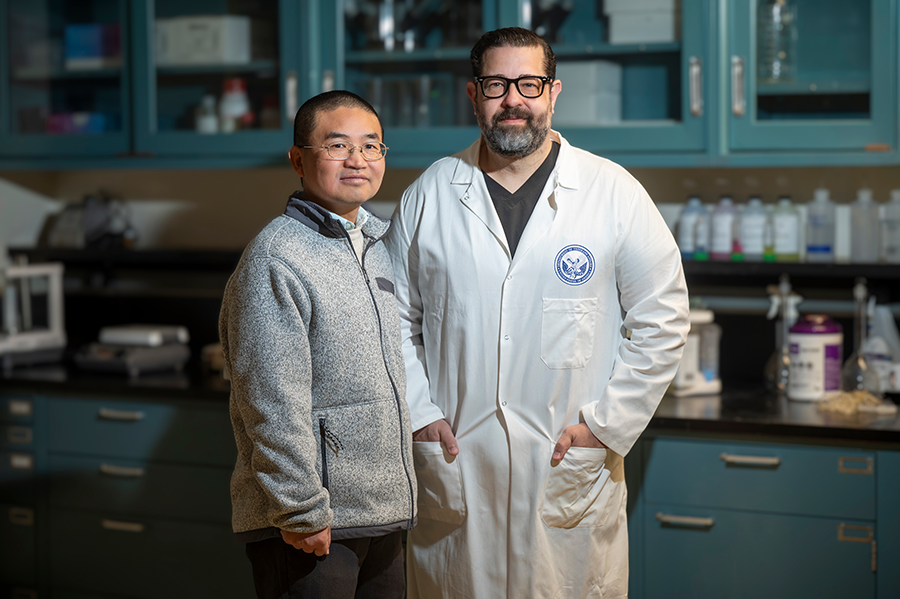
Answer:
(64, 85)
(215, 77)
(632, 72)
(812, 75)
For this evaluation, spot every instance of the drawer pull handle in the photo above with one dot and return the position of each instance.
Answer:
(738, 94)
(123, 471)
(21, 461)
(123, 526)
(845, 538)
(120, 415)
(685, 520)
(21, 516)
(21, 408)
(750, 460)
(844, 469)
(19, 435)
(696, 85)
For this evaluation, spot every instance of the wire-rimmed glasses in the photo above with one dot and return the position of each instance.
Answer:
(340, 150)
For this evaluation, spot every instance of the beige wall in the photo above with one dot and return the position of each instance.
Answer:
(223, 209)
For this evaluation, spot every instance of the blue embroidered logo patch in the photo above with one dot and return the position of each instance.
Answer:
(574, 265)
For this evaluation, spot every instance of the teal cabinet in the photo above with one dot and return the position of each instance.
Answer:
(65, 86)
(888, 525)
(825, 82)
(216, 78)
(764, 519)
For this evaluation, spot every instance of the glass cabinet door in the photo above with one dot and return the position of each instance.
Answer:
(63, 82)
(632, 71)
(216, 77)
(812, 74)
(410, 60)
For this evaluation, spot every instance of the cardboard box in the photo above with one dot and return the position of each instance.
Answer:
(644, 27)
(92, 46)
(203, 40)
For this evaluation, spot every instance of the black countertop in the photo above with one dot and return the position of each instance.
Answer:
(734, 412)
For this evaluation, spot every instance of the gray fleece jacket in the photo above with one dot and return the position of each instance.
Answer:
(312, 344)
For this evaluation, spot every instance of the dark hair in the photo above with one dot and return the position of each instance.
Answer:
(305, 120)
(511, 37)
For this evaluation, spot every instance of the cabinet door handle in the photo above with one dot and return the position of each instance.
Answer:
(122, 471)
(19, 435)
(843, 467)
(696, 85)
(750, 460)
(738, 95)
(21, 516)
(685, 520)
(120, 415)
(122, 526)
(851, 538)
(291, 95)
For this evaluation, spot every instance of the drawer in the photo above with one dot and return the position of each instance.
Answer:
(815, 481)
(16, 409)
(17, 477)
(141, 488)
(17, 545)
(148, 558)
(159, 431)
(696, 552)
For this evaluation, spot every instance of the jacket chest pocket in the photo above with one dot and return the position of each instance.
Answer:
(567, 331)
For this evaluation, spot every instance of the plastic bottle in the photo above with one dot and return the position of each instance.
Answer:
(786, 226)
(864, 228)
(702, 235)
(234, 106)
(890, 231)
(753, 230)
(776, 43)
(820, 228)
(687, 227)
(723, 220)
(207, 120)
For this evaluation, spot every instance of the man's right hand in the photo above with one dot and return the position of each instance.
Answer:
(309, 542)
(439, 430)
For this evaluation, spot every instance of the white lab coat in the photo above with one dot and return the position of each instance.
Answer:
(511, 352)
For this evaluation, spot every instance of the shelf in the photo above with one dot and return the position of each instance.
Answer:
(815, 86)
(602, 49)
(40, 74)
(220, 260)
(381, 56)
(256, 66)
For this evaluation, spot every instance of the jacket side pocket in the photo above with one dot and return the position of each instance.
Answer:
(441, 494)
(573, 494)
(567, 331)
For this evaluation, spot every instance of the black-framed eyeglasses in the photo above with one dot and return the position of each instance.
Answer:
(340, 150)
(530, 86)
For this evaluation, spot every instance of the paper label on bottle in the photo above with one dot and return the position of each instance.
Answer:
(722, 233)
(753, 227)
(686, 233)
(787, 234)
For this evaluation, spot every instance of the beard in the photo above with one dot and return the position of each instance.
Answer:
(512, 140)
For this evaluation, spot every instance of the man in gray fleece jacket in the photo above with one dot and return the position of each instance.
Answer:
(324, 481)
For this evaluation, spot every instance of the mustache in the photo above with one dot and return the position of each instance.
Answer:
(512, 113)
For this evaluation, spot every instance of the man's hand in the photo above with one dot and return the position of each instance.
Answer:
(309, 542)
(577, 435)
(439, 430)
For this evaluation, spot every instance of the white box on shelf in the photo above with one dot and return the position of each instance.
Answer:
(203, 40)
(585, 76)
(624, 6)
(644, 27)
(591, 93)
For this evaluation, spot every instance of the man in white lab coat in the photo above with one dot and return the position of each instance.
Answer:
(543, 311)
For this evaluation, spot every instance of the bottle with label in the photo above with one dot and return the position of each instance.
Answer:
(864, 228)
(820, 228)
(890, 231)
(753, 230)
(786, 228)
(687, 227)
(816, 349)
(723, 221)
(702, 235)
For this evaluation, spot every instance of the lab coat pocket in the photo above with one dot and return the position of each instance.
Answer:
(440, 483)
(573, 492)
(567, 331)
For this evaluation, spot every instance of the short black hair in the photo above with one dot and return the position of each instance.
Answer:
(511, 37)
(305, 119)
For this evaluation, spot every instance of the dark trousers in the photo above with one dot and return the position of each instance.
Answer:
(367, 568)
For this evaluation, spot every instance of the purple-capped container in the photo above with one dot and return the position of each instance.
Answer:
(816, 346)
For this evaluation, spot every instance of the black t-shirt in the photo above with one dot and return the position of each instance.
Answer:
(514, 209)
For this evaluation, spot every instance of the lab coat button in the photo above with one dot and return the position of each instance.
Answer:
(503, 403)
(506, 337)
(509, 278)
